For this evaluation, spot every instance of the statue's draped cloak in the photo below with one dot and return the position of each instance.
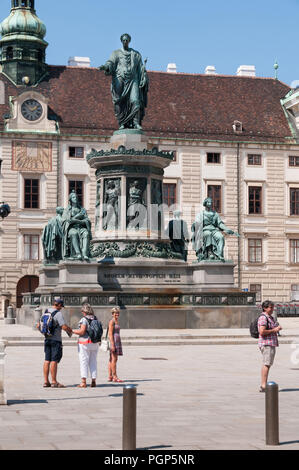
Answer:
(129, 85)
(51, 239)
(207, 230)
(67, 225)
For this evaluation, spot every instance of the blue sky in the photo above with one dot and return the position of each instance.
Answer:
(191, 33)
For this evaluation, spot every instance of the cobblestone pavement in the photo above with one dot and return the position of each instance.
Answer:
(188, 397)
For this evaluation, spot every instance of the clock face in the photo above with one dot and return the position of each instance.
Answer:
(31, 110)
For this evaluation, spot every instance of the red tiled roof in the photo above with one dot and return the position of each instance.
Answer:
(179, 105)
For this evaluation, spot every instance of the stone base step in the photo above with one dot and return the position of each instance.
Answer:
(159, 341)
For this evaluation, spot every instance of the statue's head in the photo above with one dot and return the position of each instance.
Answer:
(177, 214)
(125, 39)
(208, 202)
(73, 198)
(59, 210)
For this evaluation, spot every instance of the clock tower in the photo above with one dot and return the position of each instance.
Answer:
(22, 45)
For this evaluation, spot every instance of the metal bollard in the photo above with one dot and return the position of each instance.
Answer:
(272, 414)
(129, 417)
(2, 389)
(36, 316)
(10, 317)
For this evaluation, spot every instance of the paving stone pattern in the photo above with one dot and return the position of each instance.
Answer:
(188, 397)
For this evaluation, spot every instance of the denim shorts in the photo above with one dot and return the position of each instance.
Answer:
(53, 350)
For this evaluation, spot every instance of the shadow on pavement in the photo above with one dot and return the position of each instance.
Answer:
(289, 390)
(25, 402)
(154, 447)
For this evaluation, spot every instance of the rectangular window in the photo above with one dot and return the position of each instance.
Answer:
(78, 187)
(76, 152)
(214, 192)
(294, 251)
(255, 200)
(254, 250)
(31, 247)
(293, 161)
(254, 159)
(213, 157)
(257, 288)
(294, 201)
(31, 194)
(169, 194)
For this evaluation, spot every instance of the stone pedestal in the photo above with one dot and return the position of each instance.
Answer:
(151, 293)
(129, 208)
(3, 400)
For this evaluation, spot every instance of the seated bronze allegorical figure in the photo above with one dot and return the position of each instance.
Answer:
(52, 238)
(208, 239)
(76, 228)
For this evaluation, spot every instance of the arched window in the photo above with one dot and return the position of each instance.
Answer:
(24, 3)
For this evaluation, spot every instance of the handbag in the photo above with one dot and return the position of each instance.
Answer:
(105, 343)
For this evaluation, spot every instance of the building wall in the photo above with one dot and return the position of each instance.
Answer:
(274, 227)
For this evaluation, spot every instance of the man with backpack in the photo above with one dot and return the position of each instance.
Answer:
(50, 325)
(268, 340)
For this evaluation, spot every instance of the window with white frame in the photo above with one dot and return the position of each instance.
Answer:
(78, 187)
(294, 201)
(255, 199)
(214, 191)
(257, 289)
(31, 247)
(76, 152)
(294, 250)
(255, 250)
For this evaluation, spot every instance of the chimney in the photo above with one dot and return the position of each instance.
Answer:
(171, 68)
(79, 62)
(210, 70)
(246, 71)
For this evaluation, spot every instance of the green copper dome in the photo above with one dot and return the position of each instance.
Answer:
(22, 21)
(22, 45)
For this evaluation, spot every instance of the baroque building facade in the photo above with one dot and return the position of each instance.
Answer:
(235, 138)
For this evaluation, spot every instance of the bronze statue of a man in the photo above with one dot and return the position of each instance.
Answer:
(129, 86)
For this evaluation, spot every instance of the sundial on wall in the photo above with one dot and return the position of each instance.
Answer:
(32, 156)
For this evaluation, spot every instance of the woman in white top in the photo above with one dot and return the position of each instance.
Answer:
(86, 348)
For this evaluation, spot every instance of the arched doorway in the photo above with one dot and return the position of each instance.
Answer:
(26, 284)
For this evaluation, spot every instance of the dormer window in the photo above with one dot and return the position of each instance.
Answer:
(238, 127)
